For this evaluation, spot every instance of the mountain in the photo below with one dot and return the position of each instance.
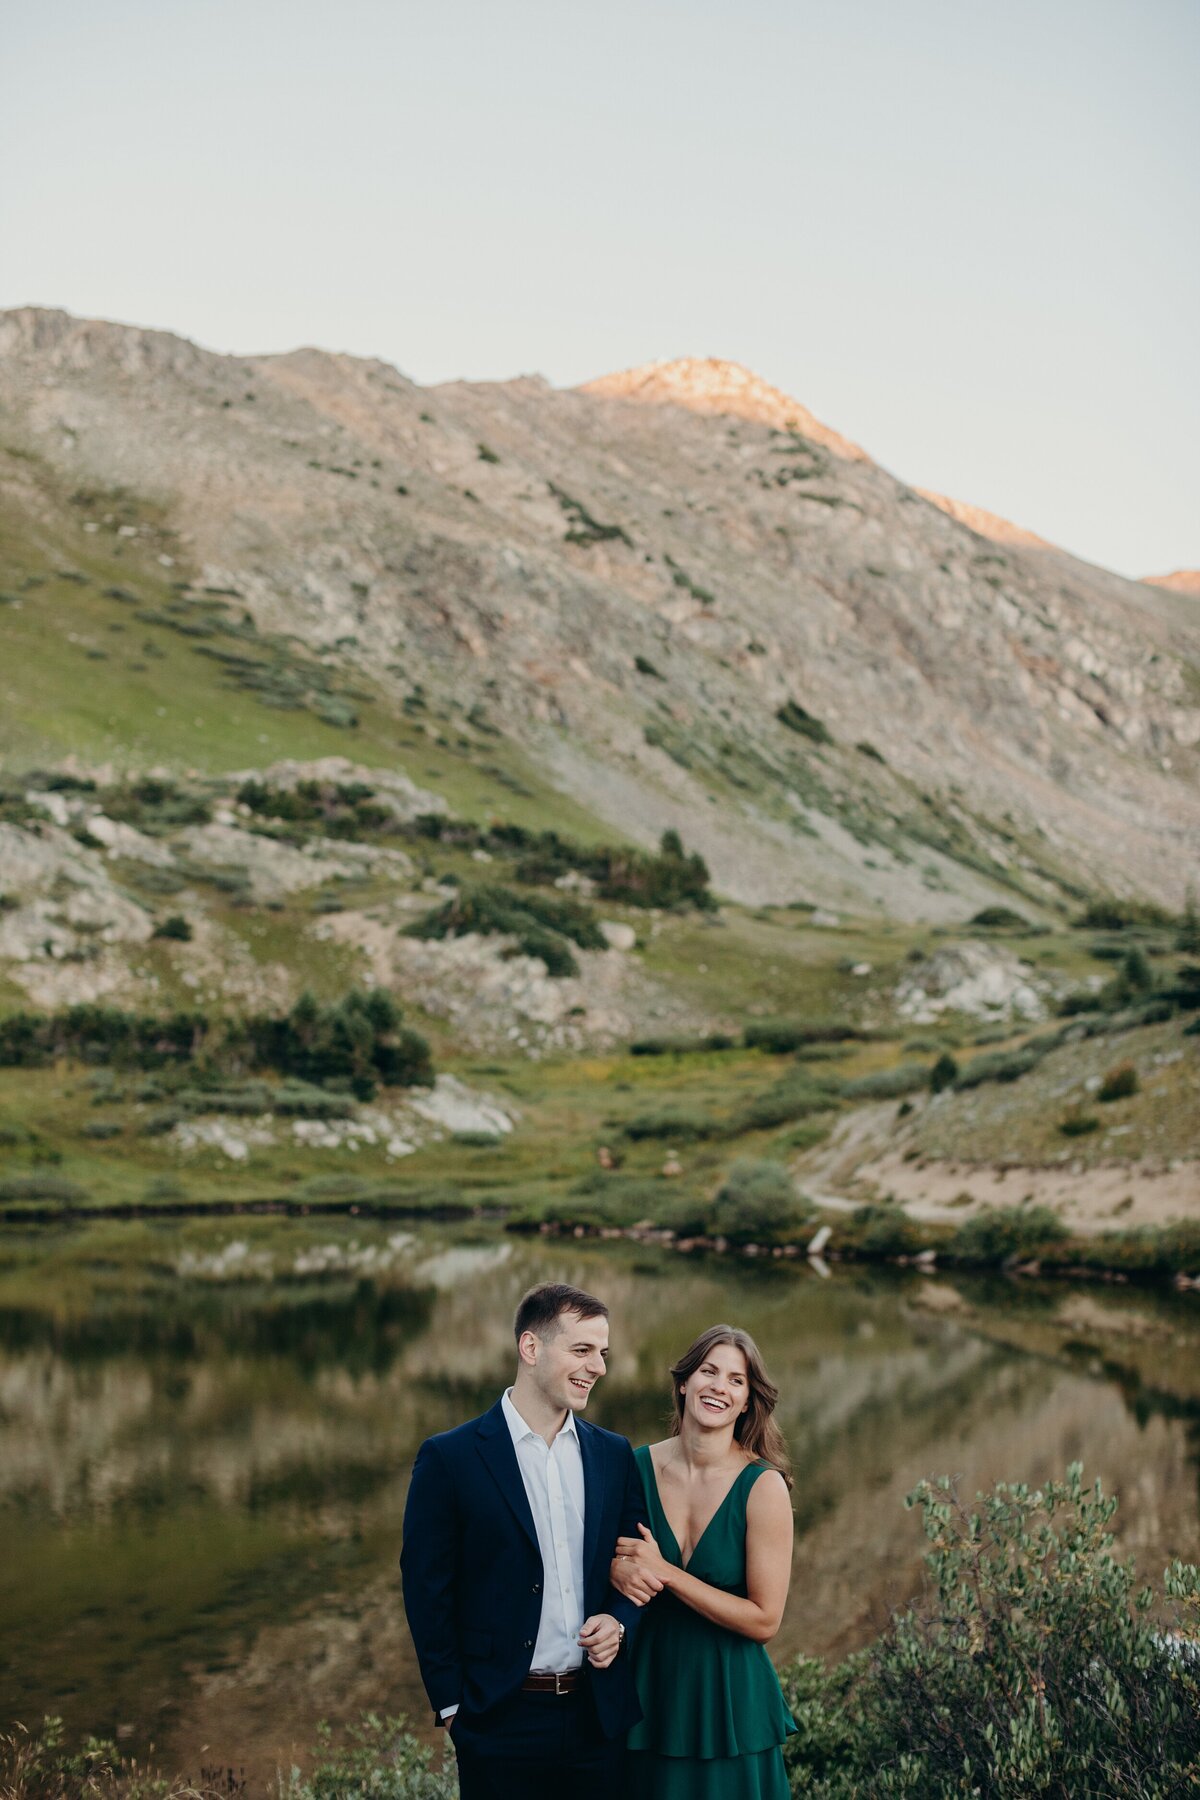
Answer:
(671, 598)
(1181, 581)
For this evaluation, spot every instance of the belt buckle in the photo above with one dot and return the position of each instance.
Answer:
(558, 1680)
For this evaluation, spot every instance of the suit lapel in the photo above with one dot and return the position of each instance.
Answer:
(495, 1446)
(593, 1490)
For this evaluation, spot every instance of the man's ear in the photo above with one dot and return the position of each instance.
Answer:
(527, 1348)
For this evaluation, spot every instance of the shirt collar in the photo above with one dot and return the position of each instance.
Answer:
(519, 1430)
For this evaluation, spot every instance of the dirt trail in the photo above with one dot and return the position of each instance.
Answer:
(865, 1160)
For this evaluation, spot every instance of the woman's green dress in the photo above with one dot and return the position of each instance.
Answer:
(713, 1716)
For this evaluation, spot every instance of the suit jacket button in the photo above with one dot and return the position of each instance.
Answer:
(529, 1643)
(537, 1587)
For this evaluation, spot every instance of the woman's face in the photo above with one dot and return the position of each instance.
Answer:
(718, 1392)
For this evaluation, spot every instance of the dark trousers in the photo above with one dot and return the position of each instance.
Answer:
(536, 1744)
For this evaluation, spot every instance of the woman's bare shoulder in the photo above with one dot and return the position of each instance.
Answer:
(769, 1497)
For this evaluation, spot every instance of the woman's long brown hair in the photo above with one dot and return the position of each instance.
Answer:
(755, 1430)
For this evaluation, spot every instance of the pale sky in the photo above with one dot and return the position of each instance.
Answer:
(964, 234)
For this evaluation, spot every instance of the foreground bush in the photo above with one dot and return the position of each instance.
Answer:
(380, 1759)
(1033, 1666)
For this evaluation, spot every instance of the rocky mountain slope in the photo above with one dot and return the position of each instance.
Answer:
(673, 596)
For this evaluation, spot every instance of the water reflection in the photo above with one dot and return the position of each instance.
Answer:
(204, 1444)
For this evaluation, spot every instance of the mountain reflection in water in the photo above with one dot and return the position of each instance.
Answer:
(205, 1444)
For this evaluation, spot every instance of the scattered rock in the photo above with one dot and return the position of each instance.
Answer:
(985, 980)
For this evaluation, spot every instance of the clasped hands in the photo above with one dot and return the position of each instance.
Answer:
(638, 1569)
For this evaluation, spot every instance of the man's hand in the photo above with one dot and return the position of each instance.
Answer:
(601, 1639)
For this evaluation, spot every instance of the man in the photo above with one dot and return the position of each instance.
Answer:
(508, 1535)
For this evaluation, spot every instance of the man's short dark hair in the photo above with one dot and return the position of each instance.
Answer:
(542, 1306)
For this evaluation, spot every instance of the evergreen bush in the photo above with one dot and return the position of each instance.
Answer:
(540, 923)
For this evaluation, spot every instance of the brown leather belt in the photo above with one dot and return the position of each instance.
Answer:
(566, 1683)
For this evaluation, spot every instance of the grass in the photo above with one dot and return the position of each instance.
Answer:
(169, 706)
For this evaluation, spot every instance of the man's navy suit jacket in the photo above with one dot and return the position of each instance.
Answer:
(473, 1572)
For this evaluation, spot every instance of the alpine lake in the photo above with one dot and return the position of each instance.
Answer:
(207, 1427)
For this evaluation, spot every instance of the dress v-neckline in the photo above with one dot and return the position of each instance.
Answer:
(712, 1518)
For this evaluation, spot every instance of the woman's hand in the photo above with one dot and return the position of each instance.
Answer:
(630, 1581)
(639, 1569)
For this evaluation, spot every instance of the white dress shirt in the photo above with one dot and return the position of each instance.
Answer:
(553, 1478)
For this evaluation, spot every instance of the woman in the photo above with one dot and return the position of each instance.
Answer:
(714, 1567)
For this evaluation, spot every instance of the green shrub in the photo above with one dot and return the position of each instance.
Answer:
(1183, 989)
(379, 1759)
(604, 1197)
(1031, 1666)
(175, 927)
(669, 878)
(1000, 1233)
(944, 1073)
(1133, 982)
(778, 1036)
(1000, 1065)
(1167, 1250)
(42, 1184)
(793, 715)
(251, 1099)
(338, 809)
(796, 1096)
(682, 1046)
(1000, 918)
(157, 806)
(888, 1084)
(1119, 1083)
(359, 1039)
(885, 1231)
(645, 667)
(756, 1203)
(683, 1123)
(540, 923)
(1083, 1000)
(1079, 1124)
(582, 527)
(1123, 915)
(1187, 937)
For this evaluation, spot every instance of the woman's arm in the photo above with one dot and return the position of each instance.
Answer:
(768, 1567)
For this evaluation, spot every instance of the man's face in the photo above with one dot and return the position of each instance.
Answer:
(570, 1361)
